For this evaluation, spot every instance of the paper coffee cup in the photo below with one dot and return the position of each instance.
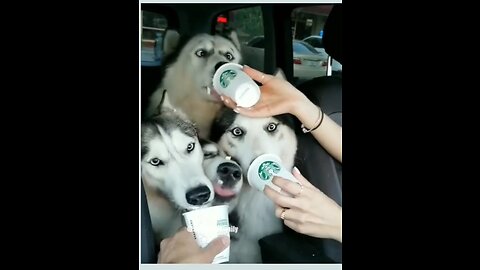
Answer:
(230, 80)
(207, 224)
(264, 168)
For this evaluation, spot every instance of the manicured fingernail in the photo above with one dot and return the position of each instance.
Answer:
(245, 66)
(222, 98)
(297, 170)
(235, 110)
(226, 101)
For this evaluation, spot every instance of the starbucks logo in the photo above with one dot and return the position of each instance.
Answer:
(267, 169)
(226, 77)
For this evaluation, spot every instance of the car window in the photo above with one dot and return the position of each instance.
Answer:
(248, 23)
(307, 27)
(303, 48)
(315, 42)
(258, 42)
(153, 30)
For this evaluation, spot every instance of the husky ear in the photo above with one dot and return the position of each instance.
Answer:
(170, 41)
(234, 38)
(280, 74)
(230, 34)
(158, 111)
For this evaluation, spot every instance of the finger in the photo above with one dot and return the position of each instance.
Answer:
(163, 243)
(287, 185)
(296, 173)
(299, 217)
(256, 111)
(257, 75)
(215, 247)
(228, 102)
(181, 229)
(278, 211)
(281, 200)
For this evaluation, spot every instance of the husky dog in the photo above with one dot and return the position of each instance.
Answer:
(224, 172)
(172, 171)
(245, 139)
(188, 74)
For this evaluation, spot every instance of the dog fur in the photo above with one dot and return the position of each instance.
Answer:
(188, 75)
(245, 139)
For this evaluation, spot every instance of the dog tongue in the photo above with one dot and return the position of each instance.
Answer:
(224, 192)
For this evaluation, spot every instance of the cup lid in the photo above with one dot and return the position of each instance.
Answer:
(220, 70)
(259, 172)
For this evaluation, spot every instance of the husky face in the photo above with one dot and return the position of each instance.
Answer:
(246, 138)
(201, 56)
(172, 161)
(224, 172)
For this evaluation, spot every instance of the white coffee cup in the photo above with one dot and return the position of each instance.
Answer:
(230, 80)
(207, 224)
(264, 168)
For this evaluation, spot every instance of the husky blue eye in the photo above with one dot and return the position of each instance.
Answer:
(200, 53)
(156, 162)
(237, 132)
(272, 127)
(190, 147)
(229, 56)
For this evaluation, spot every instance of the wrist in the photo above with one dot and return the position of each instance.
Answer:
(307, 112)
(301, 105)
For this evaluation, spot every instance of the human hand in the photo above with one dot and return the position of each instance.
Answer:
(309, 211)
(182, 248)
(278, 96)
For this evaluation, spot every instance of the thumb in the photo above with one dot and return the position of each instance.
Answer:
(216, 246)
(256, 74)
(298, 175)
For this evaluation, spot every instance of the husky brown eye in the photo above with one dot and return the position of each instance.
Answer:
(229, 56)
(156, 162)
(201, 53)
(237, 132)
(272, 127)
(190, 147)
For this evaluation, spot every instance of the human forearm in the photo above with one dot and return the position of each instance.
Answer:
(328, 134)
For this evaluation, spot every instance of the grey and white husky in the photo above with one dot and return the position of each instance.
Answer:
(188, 74)
(172, 171)
(180, 173)
(245, 139)
(224, 172)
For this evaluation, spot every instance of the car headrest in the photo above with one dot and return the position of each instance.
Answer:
(332, 34)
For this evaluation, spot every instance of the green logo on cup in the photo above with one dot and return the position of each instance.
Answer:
(267, 169)
(226, 77)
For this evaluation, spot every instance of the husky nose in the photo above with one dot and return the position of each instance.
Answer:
(219, 64)
(229, 172)
(198, 195)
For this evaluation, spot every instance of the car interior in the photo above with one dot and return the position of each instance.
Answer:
(314, 162)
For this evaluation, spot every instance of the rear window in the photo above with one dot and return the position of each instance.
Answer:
(303, 48)
(315, 42)
(248, 23)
